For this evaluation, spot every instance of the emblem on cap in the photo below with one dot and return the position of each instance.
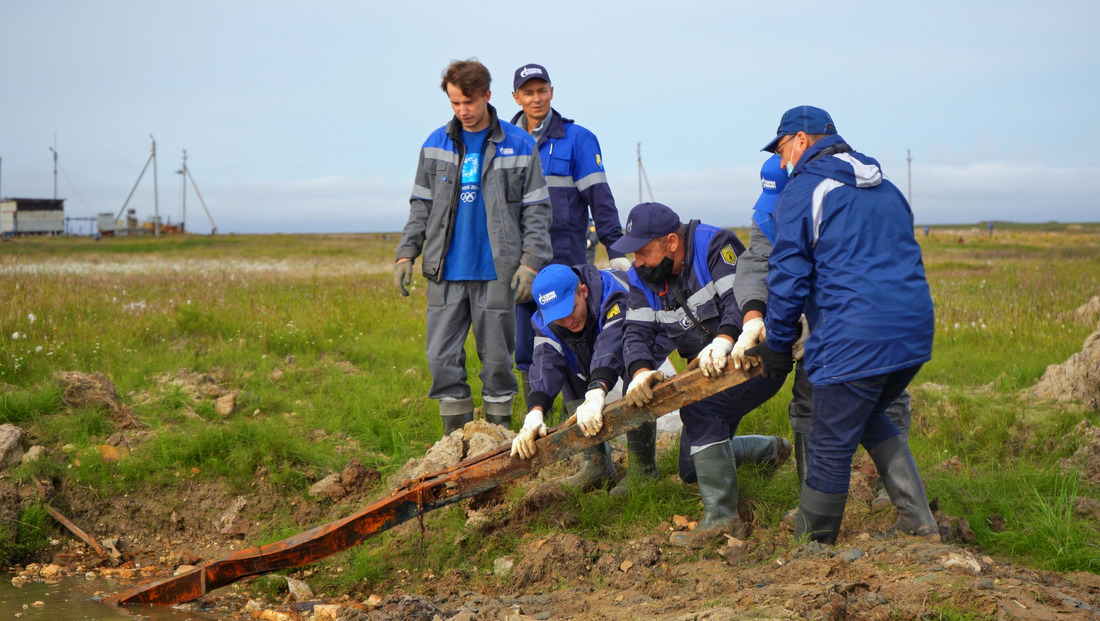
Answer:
(547, 297)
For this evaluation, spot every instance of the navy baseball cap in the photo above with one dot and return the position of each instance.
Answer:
(647, 221)
(773, 178)
(553, 290)
(802, 119)
(530, 71)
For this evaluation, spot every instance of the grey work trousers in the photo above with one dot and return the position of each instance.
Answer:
(802, 398)
(455, 306)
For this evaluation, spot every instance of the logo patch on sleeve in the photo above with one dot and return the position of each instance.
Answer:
(728, 255)
(614, 310)
(599, 164)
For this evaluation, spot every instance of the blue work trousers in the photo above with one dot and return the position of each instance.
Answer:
(525, 335)
(845, 416)
(715, 418)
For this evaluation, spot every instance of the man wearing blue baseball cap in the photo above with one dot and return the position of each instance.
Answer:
(682, 289)
(573, 167)
(578, 352)
(844, 254)
(751, 290)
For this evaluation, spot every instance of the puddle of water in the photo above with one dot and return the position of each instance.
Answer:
(71, 600)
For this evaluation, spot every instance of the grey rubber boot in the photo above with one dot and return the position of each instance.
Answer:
(597, 469)
(768, 452)
(499, 413)
(717, 474)
(455, 413)
(801, 464)
(899, 473)
(819, 516)
(882, 497)
(641, 443)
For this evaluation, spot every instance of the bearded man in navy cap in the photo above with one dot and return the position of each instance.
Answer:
(845, 256)
(682, 289)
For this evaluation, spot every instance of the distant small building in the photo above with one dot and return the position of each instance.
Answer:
(32, 216)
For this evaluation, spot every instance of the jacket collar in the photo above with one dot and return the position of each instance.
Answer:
(555, 130)
(496, 132)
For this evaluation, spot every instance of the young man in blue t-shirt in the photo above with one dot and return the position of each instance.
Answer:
(479, 219)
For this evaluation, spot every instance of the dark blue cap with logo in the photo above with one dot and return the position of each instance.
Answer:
(530, 71)
(553, 290)
(802, 119)
(773, 178)
(646, 222)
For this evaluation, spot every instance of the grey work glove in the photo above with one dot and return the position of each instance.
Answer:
(403, 275)
(521, 283)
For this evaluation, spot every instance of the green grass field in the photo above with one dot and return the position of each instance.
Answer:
(329, 363)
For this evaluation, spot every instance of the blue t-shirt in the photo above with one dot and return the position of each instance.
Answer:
(470, 256)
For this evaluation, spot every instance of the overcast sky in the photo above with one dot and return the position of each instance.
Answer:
(308, 116)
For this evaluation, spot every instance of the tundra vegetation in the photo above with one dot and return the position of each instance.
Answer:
(325, 363)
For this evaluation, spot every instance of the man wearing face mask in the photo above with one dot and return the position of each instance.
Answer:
(845, 256)
(682, 289)
(579, 352)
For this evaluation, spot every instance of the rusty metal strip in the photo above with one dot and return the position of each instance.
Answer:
(416, 497)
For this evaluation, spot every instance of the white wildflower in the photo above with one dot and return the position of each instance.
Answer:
(15, 336)
(31, 317)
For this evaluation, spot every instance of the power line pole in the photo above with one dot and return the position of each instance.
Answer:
(909, 170)
(156, 205)
(54, 172)
(183, 177)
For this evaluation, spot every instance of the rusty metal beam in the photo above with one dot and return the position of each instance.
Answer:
(418, 496)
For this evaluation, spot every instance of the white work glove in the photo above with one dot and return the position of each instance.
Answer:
(752, 334)
(621, 263)
(799, 346)
(524, 443)
(712, 360)
(640, 391)
(590, 413)
(521, 283)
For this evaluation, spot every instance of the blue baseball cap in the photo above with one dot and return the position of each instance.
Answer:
(646, 222)
(802, 119)
(530, 71)
(553, 290)
(773, 178)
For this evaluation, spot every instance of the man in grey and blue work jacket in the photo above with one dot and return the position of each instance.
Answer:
(751, 289)
(480, 218)
(573, 167)
(845, 256)
(682, 287)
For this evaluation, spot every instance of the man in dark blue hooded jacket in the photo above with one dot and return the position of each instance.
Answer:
(845, 256)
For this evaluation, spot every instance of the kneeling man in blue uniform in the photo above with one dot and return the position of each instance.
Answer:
(682, 290)
(846, 256)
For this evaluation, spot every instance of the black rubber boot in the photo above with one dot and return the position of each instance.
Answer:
(525, 388)
(899, 473)
(819, 516)
(717, 473)
(597, 469)
(455, 422)
(801, 465)
(456, 413)
(499, 413)
(642, 469)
